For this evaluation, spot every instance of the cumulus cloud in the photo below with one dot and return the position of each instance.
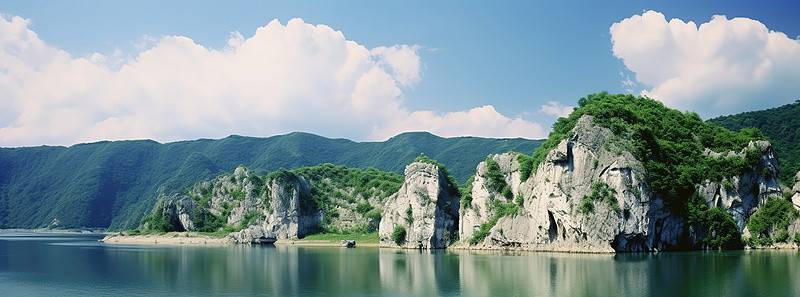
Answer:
(401, 60)
(293, 77)
(556, 109)
(723, 66)
(478, 121)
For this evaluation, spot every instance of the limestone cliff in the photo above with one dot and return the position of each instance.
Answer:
(283, 204)
(796, 191)
(590, 194)
(741, 195)
(279, 207)
(423, 213)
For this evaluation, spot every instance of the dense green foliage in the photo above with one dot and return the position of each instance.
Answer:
(452, 184)
(156, 221)
(600, 192)
(668, 142)
(501, 209)
(366, 183)
(773, 216)
(466, 193)
(252, 217)
(781, 125)
(205, 221)
(399, 235)
(352, 185)
(114, 184)
(495, 179)
(718, 228)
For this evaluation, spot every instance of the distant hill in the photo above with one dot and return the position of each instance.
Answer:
(115, 183)
(781, 125)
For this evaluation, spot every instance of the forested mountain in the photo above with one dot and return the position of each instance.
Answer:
(781, 125)
(115, 183)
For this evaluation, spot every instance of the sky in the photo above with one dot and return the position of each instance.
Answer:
(84, 71)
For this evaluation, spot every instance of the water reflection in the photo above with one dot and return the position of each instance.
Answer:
(61, 265)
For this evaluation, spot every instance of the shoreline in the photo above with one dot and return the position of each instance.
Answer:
(57, 231)
(196, 239)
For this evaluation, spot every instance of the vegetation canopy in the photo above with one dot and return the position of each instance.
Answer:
(669, 143)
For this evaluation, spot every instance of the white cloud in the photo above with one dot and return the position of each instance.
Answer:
(293, 77)
(400, 60)
(721, 67)
(556, 109)
(478, 121)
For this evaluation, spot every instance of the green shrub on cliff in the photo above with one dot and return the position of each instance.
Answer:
(781, 125)
(718, 226)
(495, 179)
(775, 215)
(452, 185)
(669, 143)
(600, 192)
(399, 235)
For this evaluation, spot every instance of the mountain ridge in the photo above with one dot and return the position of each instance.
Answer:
(114, 183)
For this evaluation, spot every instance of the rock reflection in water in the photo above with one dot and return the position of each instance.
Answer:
(66, 266)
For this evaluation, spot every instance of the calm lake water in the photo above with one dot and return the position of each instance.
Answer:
(68, 265)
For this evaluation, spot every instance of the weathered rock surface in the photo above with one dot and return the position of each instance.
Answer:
(424, 207)
(741, 195)
(796, 191)
(252, 235)
(279, 209)
(631, 218)
(179, 209)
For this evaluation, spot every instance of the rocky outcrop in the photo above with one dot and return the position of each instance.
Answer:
(590, 194)
(277, 208)
(423, 207)
(178, 210)
(291, 214)
(796, 191)
(741, 195)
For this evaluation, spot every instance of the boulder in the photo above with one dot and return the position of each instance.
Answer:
(252, 235)
(423, 207)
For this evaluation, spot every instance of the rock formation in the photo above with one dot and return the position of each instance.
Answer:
(741, 195)
(796, 191)
(423, 213)
(280, 208)
(590, 195)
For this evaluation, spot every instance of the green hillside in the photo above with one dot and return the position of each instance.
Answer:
(781, 125)
(114, 184)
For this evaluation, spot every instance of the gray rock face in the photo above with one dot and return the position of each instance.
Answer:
(290, 211)
(550, 219)
(554, 215)
(423, 206)
(796, 191)
(252, 235)
(742, 195)
(179, 210)
(483, 198)
(283, 209)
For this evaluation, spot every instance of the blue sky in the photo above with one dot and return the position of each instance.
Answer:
(514, 56)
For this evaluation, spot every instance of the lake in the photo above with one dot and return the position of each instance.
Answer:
(68, 265)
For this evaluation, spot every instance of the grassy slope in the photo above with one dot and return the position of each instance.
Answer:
(114, 184)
